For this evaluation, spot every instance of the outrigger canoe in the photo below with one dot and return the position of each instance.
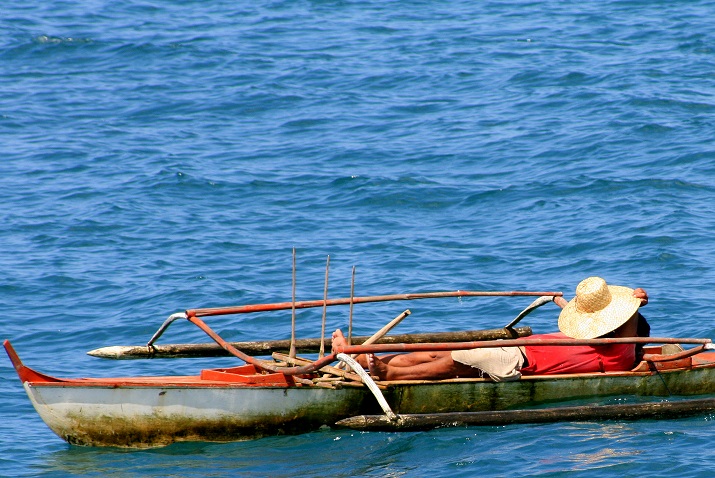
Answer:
(289, 395)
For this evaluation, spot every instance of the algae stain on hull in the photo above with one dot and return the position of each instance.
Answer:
(478, 395)
(149, 416)
(170, 419)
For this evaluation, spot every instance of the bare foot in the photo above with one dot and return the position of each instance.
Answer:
(339, 340)
(377, 367)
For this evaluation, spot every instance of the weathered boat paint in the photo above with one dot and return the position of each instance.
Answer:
(239, 404)
(155, 415)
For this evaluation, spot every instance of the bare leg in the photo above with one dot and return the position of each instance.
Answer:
(412, 359)
(339, 340)
(440, 368)
(394, 360)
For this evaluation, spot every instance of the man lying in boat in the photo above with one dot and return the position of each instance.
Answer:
(598, 311)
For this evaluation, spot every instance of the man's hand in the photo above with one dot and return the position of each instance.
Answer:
(642, 295)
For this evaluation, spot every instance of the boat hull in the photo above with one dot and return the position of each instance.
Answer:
(150, 416)
(153, 415)
(239, 404)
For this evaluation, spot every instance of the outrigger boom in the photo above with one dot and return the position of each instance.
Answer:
(193, 315)
(245, 309)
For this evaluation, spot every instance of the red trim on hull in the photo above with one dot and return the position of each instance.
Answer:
(26, 374)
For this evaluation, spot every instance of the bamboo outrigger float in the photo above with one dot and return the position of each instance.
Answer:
(293, 395)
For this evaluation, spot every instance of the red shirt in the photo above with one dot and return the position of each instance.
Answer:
(553, 359)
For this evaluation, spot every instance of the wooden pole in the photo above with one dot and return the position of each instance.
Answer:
(352, 303)
(250, 308)
(312, 345)
(321, 354)
(292, 320)
(665, 409)
(383, 331)
(427, 347)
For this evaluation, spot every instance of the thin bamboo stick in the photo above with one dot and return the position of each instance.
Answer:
(292, 320)
(321, 354)
(352, 304)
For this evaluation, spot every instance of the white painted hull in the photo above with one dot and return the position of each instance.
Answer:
(238, 404)
(134, 416)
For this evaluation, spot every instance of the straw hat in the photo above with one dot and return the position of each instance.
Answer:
(597, 309)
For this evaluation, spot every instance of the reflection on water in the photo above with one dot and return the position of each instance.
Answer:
(626, 448)
(600, 431)
(601, 456)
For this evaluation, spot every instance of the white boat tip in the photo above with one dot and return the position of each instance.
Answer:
(113, 352)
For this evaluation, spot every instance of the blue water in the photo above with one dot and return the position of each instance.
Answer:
(162, 155)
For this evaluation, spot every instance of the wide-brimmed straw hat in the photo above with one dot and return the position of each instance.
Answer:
(597, 309)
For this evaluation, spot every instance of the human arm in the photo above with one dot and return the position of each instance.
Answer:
(560, 301)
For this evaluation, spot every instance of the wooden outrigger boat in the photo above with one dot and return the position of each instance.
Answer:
(243, 403)
(292, 395)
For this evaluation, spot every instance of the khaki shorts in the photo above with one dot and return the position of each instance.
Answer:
(502, 364)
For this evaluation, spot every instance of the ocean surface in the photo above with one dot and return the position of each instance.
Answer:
(161, 155)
